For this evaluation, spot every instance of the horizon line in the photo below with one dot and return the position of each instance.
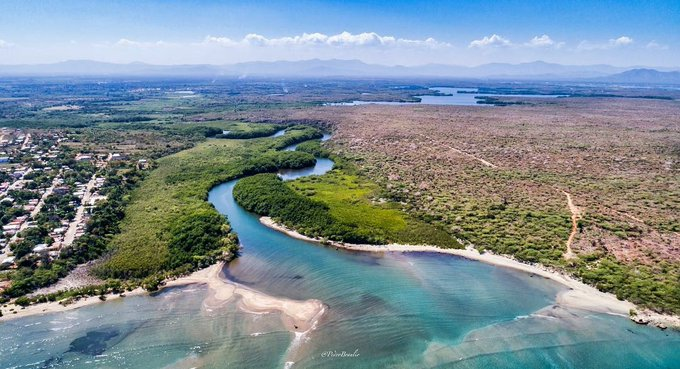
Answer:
(637, 66)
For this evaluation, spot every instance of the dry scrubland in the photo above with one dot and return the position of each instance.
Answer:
(498, 177)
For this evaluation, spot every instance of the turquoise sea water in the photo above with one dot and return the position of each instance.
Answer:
(391, 310)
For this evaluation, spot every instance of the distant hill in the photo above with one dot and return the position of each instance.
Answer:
(95, 68)
(647, 76)
(537, 70)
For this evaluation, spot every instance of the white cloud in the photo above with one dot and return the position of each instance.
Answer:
(224, 41)
(656, 46)
(541, 41)
(5, 44)
(344, 39)
(544, 41)
(611, 44)
(124, 42)
(621, 41)
(497, 41)
(490, 41)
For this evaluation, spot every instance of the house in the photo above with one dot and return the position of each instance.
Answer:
(142, 164)
(4, 159)
(96, 198)
(117, 157)
(61, 190)
(41, 248)
(11, 228)
(83, 157)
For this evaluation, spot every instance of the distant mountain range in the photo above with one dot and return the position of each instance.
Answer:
(644, 75)
(351, 68)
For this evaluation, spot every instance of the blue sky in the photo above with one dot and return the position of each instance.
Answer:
(387, 32)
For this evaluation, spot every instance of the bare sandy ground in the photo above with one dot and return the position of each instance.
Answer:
(579, 295)
(77, 278)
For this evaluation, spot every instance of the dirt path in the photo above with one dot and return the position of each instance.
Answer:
(70, 235)
(45, 195)
(631, 217)
(27, 141)
(575, 217)
(459, 151)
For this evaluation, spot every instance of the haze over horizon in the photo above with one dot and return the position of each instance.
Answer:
(618, 33)
(340, 60)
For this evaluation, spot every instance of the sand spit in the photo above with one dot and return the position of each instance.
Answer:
(298, 316)
(579, 295)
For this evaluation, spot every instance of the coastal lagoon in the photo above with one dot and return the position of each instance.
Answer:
(412, 310)
(454, 96)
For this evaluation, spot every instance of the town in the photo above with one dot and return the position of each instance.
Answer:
(47, 195)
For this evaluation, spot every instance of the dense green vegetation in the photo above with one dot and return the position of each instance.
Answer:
(155, 140)
(336, 206)
(169, 225)
(9, 212)
(249, 131)
(313, 147)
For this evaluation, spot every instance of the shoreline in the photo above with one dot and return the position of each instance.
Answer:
(56, 307)
(299, 317)
(578, 296)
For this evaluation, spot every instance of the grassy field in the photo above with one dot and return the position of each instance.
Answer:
(356, 201)
(169, 224)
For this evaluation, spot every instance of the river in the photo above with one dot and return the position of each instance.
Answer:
(453, 96)
(383, 310)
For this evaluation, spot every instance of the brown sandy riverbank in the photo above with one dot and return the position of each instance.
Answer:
(579, 295)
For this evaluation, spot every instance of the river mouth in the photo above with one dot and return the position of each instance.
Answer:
(383, 310)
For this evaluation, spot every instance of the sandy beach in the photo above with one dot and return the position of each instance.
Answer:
(579, 295)
(55, 306)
